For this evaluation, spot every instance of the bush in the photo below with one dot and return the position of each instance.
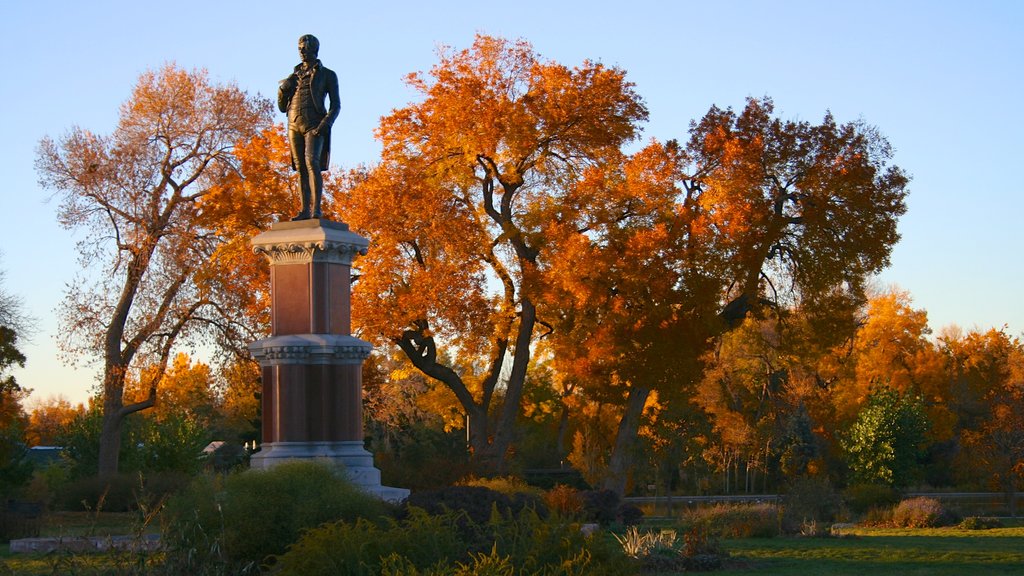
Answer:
(701, 550)
(420, 541)
(113, 494)
(809, 502)
(48, 485)
(565, 501)
(879, 516)
(507, 485)
(663, 552)
(921, 512)
(427, 544)
(629, 515)
(600, 506)
(863, 497)
(121, 492)
(476, 502)
(980, 523)
(737, 521)
(19, 520)
(248, 516)
(519, 492)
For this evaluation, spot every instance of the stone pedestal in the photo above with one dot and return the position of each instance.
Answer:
(311, 364)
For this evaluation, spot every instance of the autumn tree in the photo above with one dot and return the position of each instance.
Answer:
(50, 418)
(457, 211)
(187, 390)
(136, 195)
(892, 350)
(767, 214)
(986, 394)
(630, 288)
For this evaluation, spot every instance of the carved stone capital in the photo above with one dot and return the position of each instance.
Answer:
(306, 241)
(310, 349)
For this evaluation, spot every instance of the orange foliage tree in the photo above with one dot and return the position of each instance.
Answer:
(458, 212)
(891, 350)
(137, 194)
(986, 380)
(766, 214)
(187, 390)
(50, 418)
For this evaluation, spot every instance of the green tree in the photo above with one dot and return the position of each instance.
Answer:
(886, 443)
(14, 467)
(136, 195)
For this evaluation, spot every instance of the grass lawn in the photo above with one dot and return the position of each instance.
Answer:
(867, 551)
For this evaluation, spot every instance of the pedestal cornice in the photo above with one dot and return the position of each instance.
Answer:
(307, 241)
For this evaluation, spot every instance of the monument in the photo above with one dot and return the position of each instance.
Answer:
(311, 364)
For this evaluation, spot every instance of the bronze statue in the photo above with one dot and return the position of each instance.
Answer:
(301, 96)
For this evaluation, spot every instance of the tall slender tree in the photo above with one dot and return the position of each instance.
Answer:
(136, 194)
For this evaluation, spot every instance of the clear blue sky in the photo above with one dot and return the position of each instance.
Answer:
(943, 81)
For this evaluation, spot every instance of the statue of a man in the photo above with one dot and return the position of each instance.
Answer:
(301, 96)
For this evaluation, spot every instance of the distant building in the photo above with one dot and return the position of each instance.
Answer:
(45, 455)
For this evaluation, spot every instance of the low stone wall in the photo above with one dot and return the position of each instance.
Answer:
(148, 543)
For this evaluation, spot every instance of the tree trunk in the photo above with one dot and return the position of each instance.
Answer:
(110, 435)
(563, 432)
(505, 428)
(625, 440)
(110, 444)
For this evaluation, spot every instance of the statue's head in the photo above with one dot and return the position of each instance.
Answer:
(309, 47)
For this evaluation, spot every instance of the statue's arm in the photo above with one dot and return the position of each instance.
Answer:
(285, 91)
(335, 106)
(332, 95)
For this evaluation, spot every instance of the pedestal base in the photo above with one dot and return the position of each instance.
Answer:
(349, 457)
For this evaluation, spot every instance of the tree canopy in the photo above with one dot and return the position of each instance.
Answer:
(469, 179)
(136, 194)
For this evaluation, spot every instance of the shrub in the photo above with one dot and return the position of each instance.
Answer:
(251, 515)
(701, 550)
(418, 542)
(521, 494)
(426, 544)
(737, 521)
(600, 506)
(476, 502)
(507, 485)
(121, 492)
(980, 523)
(879, 516)
(112, 494)
(629, 515)
(48, 485)
(921, 512)
(564, 500)
(862, 497)
(18, 520)
(664, 552)
(809, 502)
